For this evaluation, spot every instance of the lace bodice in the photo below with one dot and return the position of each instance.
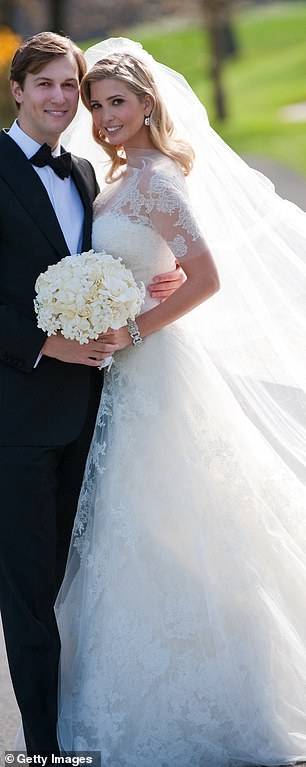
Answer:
(153, 195)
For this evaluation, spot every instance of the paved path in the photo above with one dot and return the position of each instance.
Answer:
(288, 184)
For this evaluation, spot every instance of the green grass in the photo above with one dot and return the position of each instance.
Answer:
(268, 74)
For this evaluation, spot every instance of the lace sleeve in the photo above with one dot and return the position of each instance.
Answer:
(171, 215)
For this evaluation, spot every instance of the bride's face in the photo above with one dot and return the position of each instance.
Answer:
(119, 114)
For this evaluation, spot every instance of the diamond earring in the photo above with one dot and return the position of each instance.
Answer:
(147, 120)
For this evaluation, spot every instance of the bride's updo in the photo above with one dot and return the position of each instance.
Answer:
(139, 80)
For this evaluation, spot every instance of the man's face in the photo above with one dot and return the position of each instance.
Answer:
(48, 99)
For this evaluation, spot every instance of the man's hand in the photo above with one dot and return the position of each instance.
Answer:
(64, 349)
(164, 285)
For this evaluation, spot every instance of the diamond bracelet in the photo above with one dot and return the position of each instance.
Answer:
(133, 330)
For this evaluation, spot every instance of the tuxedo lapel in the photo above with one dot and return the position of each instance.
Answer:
(30, 191)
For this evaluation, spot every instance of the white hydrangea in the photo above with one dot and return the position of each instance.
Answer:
(83, 295)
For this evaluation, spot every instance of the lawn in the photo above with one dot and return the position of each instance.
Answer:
(268, 74)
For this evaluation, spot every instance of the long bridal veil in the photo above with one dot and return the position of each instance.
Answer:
(254, 329)
(205, 523)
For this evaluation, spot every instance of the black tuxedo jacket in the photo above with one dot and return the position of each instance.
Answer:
(46, 405)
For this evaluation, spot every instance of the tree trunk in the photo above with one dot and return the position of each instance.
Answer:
(222, 43)
(6, 13)
(57, 16)
(216, 70)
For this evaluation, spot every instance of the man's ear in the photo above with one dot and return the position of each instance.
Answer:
(17, 91)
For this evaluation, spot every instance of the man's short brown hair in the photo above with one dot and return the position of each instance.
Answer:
(34, 53)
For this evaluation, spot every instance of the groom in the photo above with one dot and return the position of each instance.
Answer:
(50, 387)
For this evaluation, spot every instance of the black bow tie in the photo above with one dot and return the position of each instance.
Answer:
(61, 165)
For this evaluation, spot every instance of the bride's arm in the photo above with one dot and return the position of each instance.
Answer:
(202, 282)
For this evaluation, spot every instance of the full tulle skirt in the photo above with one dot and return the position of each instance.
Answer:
(182, 613)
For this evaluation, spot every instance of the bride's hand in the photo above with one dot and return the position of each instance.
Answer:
(114, 340)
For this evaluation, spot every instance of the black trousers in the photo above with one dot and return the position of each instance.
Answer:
(39, 489)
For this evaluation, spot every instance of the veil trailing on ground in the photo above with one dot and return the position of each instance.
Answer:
(255, 328)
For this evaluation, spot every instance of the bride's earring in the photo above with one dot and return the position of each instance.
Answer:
(147, 120)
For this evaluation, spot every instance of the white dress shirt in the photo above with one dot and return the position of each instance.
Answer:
(63, 193)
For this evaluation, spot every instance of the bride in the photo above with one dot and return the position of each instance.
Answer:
(182, 612)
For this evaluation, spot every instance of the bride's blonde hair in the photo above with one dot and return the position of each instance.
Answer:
(139, 80)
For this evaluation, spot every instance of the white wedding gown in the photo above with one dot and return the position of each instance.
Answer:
(183, 610)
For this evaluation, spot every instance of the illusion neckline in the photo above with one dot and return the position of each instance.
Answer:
(135, 155)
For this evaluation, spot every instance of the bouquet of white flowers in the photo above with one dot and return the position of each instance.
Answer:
(84, 295)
